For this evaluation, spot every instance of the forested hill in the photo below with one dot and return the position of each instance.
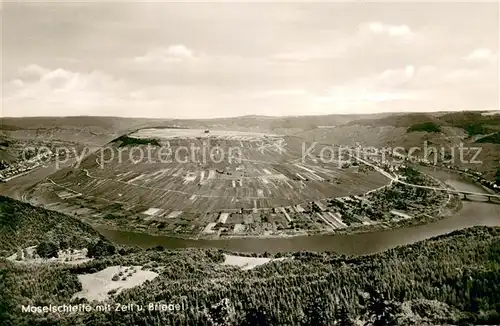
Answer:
(23, 225)
(452, 279)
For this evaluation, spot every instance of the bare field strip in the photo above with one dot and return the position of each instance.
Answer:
(180, 193)
(247, 263)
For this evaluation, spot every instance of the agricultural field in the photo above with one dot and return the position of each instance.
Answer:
(207, 183)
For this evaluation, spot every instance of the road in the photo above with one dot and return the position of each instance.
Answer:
(19, 187)
(396, 179)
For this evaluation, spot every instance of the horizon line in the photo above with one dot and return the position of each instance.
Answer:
(250, 115)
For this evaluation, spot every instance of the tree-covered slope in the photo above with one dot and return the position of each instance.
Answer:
(23, 225)
(449, 279)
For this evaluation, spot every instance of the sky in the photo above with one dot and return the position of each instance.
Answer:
(216, 59)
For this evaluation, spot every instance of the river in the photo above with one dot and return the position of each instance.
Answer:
(472, 214)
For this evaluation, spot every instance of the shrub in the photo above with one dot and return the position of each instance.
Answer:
(47, 249)
(100, 248)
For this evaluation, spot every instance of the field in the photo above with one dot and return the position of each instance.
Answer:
(235, 177)
(97, 286)
(246, 263)
(214, 183)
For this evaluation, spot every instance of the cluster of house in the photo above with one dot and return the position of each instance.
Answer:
(478, 176)
(12, 170)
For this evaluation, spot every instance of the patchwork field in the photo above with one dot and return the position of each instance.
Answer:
(112, 280)
(200, 182)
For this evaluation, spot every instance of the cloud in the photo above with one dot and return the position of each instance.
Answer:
(32, 72)
(409, 71)
(38, 88)
(303, 56)
(348, 44)
(281, 92)
(172, 53)
(387, 29)
(17, 83)
(461, 75)
(386, 86)
(396, 76)
(479, 55)
(362, 96)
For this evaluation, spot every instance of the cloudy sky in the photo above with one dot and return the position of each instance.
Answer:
(226, 59)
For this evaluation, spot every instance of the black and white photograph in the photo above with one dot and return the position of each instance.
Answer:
(249, 163)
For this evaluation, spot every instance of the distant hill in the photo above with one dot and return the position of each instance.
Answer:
(23, 225)
(474, 123)
(75, 122)
(442, 130)
(398, 120)
(275, 124)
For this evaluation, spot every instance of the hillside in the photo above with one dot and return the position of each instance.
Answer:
(251, 190)
(7, 154)
(426, 127)
(114, 125)
(474, 123)
(23, 225)
(446, 132)
(94, 123)
(491, 139)
(451, 279)
(399, 120)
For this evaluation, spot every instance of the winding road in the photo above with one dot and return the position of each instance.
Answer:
(396, 179)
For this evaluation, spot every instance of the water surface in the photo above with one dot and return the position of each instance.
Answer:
(473, 213)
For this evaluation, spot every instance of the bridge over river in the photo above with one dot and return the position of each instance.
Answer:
(463, 193)
(453, 191)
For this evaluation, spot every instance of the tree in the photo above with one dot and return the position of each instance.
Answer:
(63, 244)
(100, 248)
(47, 249)
(256, 317)
(380, 309)
(316, 310)
(221, 313)
(342, 317)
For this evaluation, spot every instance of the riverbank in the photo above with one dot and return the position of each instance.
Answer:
(472, 214)
(444, 205)
(362, 240)
(360, 243)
